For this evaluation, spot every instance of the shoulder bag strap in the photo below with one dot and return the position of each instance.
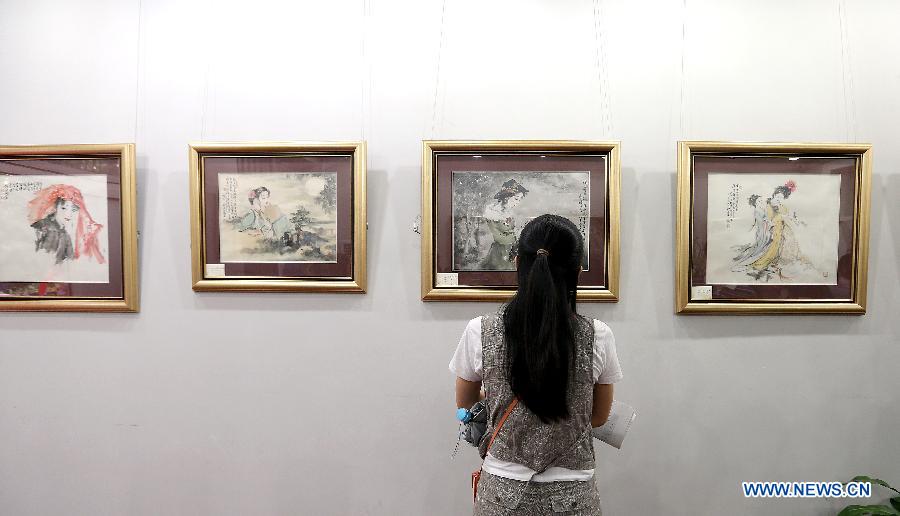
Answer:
(506, 414)
(476, 476)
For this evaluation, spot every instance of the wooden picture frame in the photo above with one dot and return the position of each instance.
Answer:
(772, 228)
(278, 216)
(577, 179)
(70, 230)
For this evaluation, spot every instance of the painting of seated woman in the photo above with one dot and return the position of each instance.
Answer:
(278, 217)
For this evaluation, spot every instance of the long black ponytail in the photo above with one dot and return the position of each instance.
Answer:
(539, 326)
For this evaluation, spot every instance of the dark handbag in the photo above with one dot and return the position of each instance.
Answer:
(476, 475)
(477, 426)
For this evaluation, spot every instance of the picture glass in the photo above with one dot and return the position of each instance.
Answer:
(278, 217)
(484, 200)
(776, 229)
(491, 207)
(770, 228)
(60, 221)
(54, 229)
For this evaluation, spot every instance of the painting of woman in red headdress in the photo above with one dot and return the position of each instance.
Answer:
(63, 226)
(54, 231)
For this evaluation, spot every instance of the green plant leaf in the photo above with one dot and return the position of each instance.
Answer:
(895, 501)
(863, 478)
(867, 510)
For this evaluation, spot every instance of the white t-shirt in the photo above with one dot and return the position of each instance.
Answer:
(467, 364)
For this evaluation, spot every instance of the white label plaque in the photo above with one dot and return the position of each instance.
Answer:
(215, 270)
(701, 292)
(446, 279)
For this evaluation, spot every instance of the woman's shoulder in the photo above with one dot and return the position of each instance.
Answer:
(474, 323)
(473, 331)
(491, 322)
(601, 329)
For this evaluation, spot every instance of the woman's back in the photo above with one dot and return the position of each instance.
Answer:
(542, 368)
(527, 440)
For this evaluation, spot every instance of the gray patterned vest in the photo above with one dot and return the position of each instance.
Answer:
(524, 439)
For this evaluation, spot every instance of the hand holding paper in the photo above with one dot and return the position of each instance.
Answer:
(617, 425)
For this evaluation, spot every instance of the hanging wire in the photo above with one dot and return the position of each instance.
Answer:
(676, 106)
(681, 101)
(204, 106)
(437, 77)
(847, 73)
(602, 65)
(205, 103)
(365, 81)
(137, 70)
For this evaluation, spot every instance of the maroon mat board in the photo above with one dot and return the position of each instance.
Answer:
(342, 164)
(845, 166)
(66, 166)
(448, 162)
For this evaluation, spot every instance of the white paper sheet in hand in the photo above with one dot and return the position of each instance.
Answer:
(617, 425)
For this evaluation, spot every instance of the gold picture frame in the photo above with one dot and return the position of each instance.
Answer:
(352, 280)
(853, 162)
(432, 150)
(120, 293)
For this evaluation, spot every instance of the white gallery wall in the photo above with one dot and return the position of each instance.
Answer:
(236, 403)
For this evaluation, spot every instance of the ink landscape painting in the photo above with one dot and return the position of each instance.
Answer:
(491, 208)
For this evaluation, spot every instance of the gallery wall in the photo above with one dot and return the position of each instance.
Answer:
(234, 403)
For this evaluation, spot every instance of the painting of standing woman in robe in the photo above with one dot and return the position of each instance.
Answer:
(773, 229)
(278, 217)
(490, 209)
(53, 231)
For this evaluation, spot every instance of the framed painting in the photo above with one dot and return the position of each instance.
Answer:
(278, 217)
(772, 227)
(477, 196)
(67, 216)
